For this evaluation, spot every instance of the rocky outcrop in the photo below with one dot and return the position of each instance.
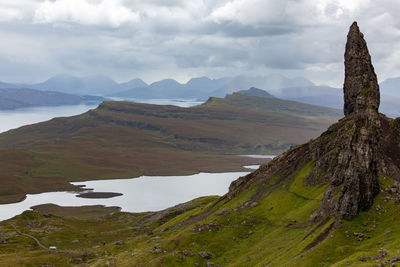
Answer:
(361, 90)
(352, 164)
(351, 154)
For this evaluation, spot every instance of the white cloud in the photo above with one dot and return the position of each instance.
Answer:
(99, 13)
(161, 38)
(9, 14)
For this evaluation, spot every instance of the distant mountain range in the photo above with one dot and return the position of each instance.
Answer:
(198, 88)
(12, 98)
(333, 97)
(295, 89)
(89, 85)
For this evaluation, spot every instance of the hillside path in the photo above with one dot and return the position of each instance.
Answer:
(27, 235)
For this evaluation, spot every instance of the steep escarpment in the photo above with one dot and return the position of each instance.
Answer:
(351, 155)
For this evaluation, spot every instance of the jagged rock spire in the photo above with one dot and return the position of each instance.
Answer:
(361, 89)
(349, 156)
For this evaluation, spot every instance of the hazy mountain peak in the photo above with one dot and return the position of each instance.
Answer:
(167, 81)
(252, 91)
(132, 84)
(198, 79)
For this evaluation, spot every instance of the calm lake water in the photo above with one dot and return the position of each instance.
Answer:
(184, 103)
(259, 156)
(146, 193)
(11, 119)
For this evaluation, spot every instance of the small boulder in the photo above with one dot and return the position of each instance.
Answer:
(205, 255)
(254, 204)
(119, 243)
(223, 211)
(156, 250)
(187, 253)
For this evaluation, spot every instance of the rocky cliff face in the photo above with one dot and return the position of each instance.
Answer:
(351, 155)
(361, 89)
(351, 166)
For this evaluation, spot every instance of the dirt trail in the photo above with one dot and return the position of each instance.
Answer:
(27, 235)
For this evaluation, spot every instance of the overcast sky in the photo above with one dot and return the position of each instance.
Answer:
(155, 39)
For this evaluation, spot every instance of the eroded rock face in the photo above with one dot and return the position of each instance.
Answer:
(352, 153)
(349, 156)
(361, 90)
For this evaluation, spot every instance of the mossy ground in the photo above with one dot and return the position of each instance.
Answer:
(272, 229)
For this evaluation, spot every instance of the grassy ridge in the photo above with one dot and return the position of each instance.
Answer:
(266, 224)
(123, 139)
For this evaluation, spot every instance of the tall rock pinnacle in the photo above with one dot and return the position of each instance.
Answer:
(349, 157)
(361, 89)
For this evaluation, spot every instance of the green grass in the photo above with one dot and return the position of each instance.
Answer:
(275, 231)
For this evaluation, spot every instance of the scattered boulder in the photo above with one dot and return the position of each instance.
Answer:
(359, 234)
(207, 227)
(254, 204)
(205, 255)
(187, 253)
(362, 258)
(383, 252)
(395, 259)
(156, 250)
(222, 211)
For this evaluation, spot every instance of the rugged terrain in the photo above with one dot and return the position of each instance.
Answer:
(334, 201)
(123, 139)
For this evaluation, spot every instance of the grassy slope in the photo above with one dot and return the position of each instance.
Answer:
(121, 140)
(272, 227)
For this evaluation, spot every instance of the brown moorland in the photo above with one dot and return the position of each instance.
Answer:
(123, 140)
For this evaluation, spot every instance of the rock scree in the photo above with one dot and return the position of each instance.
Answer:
(351, 155)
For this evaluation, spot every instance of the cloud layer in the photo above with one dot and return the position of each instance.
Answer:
(155, 39)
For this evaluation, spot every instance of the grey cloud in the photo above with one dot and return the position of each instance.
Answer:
(178, 38)
(234, 29)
